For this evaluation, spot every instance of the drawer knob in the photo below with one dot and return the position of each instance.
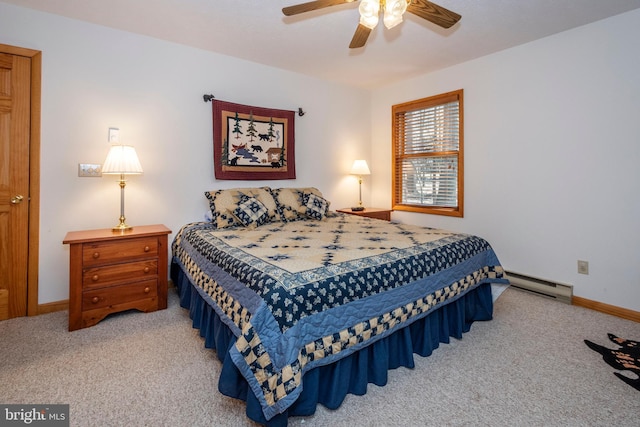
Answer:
(96, 255)
(147, 248)
(95, 278)
(146, 269)
(95, 300)
(147, 290)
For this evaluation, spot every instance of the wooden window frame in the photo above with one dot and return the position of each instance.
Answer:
(397, 113)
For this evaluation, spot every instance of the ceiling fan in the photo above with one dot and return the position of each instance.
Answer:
(392, 9)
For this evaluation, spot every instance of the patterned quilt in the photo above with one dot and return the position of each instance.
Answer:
(303, 294)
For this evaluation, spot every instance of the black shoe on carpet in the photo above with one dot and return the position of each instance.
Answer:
(625, 358)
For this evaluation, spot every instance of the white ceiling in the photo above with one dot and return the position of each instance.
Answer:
(316, 43)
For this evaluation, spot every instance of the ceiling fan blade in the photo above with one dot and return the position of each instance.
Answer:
(360, 37)
(433, 13)
(312, 5)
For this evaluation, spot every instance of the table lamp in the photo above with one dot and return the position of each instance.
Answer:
(359, 168)
(122, 160)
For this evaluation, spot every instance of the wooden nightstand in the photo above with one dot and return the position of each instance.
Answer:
(112, 271)
(370, 213)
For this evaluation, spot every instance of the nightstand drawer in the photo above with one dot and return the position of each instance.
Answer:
(97, 277)
(377, 213)
(111, 252)
(119, 294)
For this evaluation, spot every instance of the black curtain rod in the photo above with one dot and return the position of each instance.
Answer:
(209, 98)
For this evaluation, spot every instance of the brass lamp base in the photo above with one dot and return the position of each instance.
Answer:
(122, 226)
(359, 208)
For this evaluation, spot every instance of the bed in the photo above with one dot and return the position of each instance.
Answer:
(304, 305)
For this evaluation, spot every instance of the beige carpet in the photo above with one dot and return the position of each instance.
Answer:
(528, 366)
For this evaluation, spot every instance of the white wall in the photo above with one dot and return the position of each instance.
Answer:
(552, 154)
(95, 78)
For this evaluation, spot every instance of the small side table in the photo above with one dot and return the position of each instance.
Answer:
(112, 271)
(378, 213)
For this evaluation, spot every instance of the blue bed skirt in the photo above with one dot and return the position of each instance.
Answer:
(329, 385)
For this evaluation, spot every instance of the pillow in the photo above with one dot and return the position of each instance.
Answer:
(316, 206)
(290, 202)
(251, 212)
(223, 203)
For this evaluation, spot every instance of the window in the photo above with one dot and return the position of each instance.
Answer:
(428, 155)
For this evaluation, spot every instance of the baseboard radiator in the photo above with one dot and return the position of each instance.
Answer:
(558, 291)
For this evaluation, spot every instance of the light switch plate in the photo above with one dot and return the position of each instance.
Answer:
(114, 135)
(91, 170)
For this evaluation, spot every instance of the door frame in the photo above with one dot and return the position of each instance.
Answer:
(33, 308)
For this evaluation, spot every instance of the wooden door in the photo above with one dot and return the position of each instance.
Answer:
(15, 131)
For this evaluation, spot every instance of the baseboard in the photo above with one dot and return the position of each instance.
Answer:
(606, 308)
(51, 307)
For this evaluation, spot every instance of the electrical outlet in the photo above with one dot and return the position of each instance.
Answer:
(86, 169)
(583, 267)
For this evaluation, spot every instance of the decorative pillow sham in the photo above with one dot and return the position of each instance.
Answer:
(291, 203)
(251, 212)
(223, 203)
(316, 206)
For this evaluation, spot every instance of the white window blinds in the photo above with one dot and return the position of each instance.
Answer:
(427, 154)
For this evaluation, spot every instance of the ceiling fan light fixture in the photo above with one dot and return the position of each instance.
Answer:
(391, 21)
(369, 11)
(393, 11)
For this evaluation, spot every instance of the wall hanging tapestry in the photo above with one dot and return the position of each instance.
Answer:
(252, 143)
